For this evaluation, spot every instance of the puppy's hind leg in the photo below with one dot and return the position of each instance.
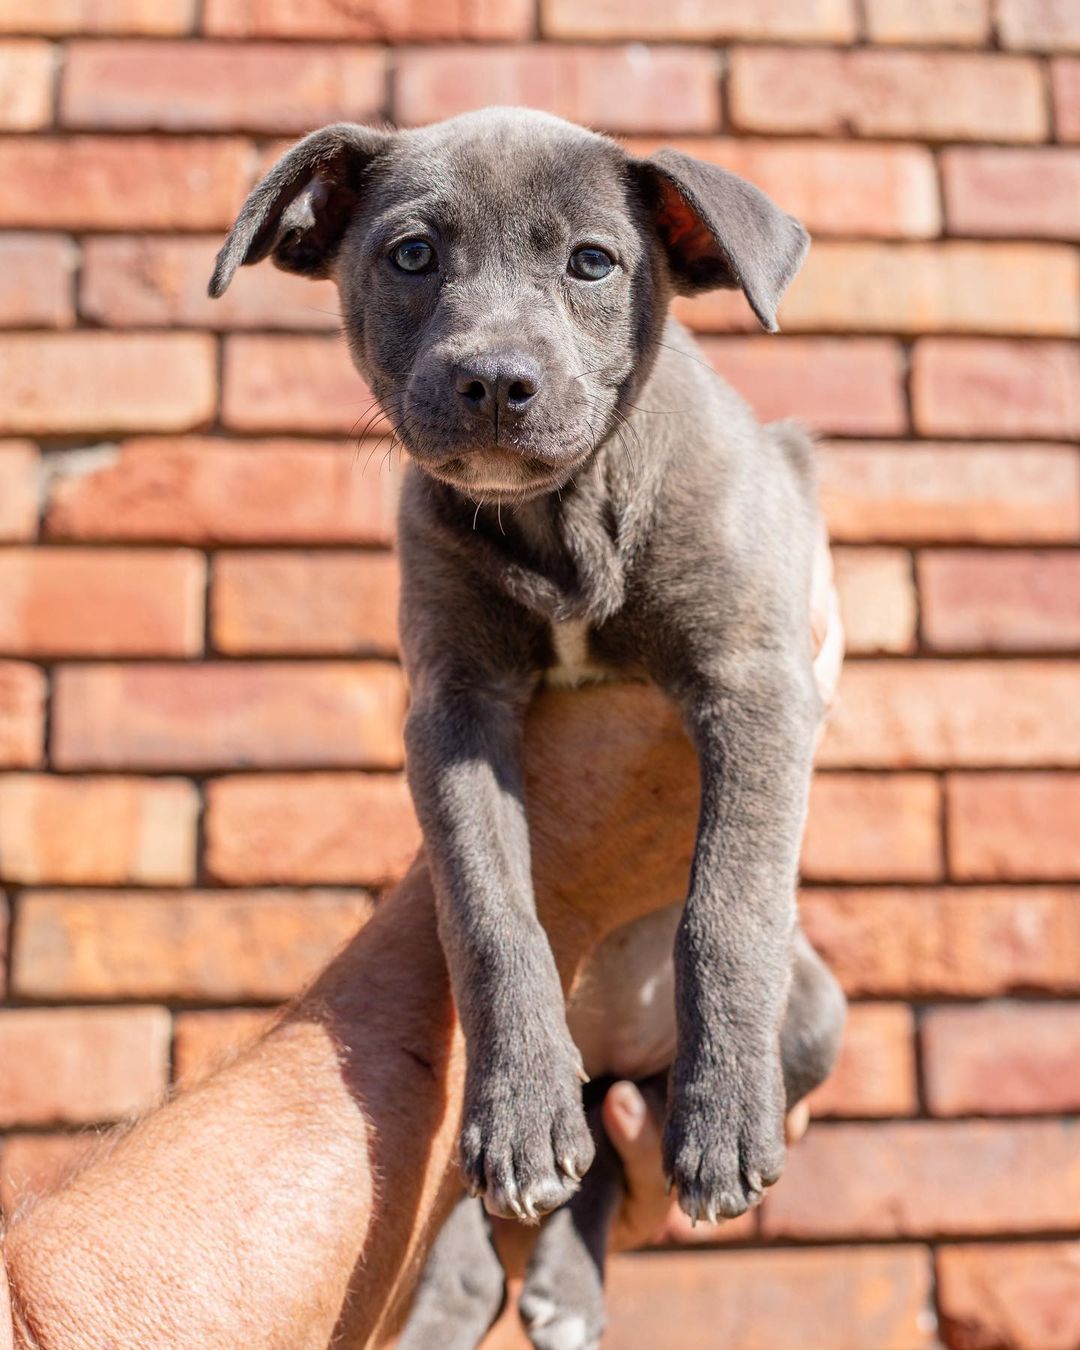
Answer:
(813, 1023)
(562, 1301)
(462, 1289)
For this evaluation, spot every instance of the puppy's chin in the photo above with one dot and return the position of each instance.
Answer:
(500, 475)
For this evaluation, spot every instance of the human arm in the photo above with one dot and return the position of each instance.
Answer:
(297, 1189)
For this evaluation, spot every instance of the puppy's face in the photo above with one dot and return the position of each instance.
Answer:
(491, 284)
(504, 277)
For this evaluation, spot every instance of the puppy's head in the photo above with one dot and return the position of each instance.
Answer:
(504, 276)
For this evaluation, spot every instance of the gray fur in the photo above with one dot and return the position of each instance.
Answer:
(631, 491)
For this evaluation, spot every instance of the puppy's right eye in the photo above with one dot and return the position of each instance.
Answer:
(414, 255)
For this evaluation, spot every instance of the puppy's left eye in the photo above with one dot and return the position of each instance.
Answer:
(414, 255)
(591, 264)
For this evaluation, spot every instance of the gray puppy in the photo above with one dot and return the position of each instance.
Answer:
(585, 497)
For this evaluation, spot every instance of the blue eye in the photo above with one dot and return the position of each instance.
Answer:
(414, 255)
(591, 264)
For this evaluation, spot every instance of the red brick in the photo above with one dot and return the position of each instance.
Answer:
(229, 716)
(700, 20)
(962, 23)
(939, 492)
(1014, 826)
(975, 600)
(97, 831)
(1065, 82)
(321, 603)
(285, 829)
(76, 1066)
(56, 384)
(916, 288)
(36, 273)
(20, 493)
(98, 16)
(935, 288)
(1002, 1058)
(973, 387)
(216, 86)
(32, 1164)
(197, 490)
(302, 384)
(922, 1179)
(26, 85)
(22, 715)
(875, 1075)
(203, 1041)
(127, 183)
(888, 93)
(852, 1298)
(1011, 192)
(974, 714)
(1039, 25)
(674, 89)
(154, 282)
(845, 386)
(865, 827)
(204, 946)
(877, 599)
(101, 602)
(834, 187)
(967, 943)
(389, 20)
(1022, 1295)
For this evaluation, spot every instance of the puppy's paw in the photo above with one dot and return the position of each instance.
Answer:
(724, 1139)
(562, 1301)
(550, 1326)
(524, 1142)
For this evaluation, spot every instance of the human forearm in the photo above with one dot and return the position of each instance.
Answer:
(243, 1211)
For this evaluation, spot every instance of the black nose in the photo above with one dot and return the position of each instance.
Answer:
(507, 382)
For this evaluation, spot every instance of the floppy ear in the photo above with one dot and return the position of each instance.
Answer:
(720, 230)
(300, 210)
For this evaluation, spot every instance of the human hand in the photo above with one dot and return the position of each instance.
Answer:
(634, 1131)
(635, 1134)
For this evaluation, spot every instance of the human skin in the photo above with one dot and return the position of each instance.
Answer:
(287, 1201)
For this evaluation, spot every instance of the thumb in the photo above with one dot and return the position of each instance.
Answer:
(635, 1135)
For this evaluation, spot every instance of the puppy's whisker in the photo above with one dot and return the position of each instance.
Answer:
(620, 421)
(690, 357)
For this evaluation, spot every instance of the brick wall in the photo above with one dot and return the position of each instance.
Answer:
(199, 706)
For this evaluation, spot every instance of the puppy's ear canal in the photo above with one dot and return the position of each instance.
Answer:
(720, 230)
(300, 210)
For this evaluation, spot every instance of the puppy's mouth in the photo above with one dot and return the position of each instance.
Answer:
(502, 475)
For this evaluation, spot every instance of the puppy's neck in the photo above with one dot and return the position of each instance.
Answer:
(566, 554)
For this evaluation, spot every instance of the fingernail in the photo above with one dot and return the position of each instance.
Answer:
(629, 1107)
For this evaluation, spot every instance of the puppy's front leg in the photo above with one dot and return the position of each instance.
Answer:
(524, 1140)
(752, 720)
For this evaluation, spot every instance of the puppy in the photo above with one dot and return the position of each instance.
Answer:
(585, 498)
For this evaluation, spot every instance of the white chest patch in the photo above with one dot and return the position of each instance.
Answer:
(573, 665)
